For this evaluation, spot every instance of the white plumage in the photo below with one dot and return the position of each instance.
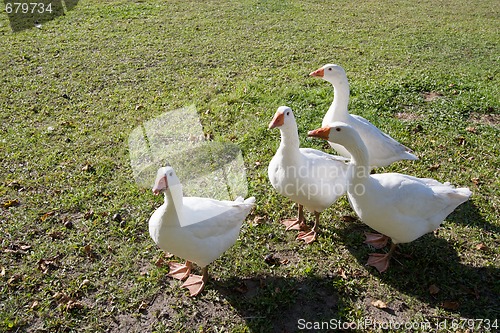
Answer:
(309, 177)
(196, 229)
(399, 206)
(382, 149)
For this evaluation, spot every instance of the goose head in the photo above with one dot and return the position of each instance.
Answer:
(331, 73)
(337, 132)
(283, 118)
(165, 178)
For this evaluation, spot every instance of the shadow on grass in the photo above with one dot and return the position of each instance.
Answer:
(472, 291)
(281, 304)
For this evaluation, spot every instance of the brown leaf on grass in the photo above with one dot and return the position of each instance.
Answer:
(17, 248)
(482, 247)
(88, 215)
(16, 186)
(14, 279)
(433, 289)
(56, 235)
(46, 216)
(476, 181)
(471, 129)
(258, 220)
(87, 167)
(2, 273)
(67, 303)
(460, 140)
(10, 203)
(46, 265)
(434, 167)
(379, 304)
(284, 261)
(87, 249)
(450, 305)
(348, 218)
(143, 306)
(161, 262)
(341, 273)
(34, 305)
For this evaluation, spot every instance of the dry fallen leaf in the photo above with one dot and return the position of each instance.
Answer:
(49, 264)
(434, 167)
(13, 279)
(258, 220)
(476, 181)
(2, 273)
(72, 304)
(379, 304)
(342, 274)
(85, 283)
(433, 289)
(10, 203)
(450, 305)
(482, 247)
(284, 261)
(160, 262)
(348, 218)
(143, 306)
(87, 167)
(460, 140)
(88, 251)
(34, 305)
(17, 249)
(471, 129)
(46, 216)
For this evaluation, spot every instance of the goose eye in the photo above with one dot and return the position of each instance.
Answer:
(171, 174)
(288, 113)
(329, 68)
(338, 129)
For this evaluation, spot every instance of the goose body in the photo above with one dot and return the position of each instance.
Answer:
(399, 206)
(309, 177)
(193, 228)
(382, 149)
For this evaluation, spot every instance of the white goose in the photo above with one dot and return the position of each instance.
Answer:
(309, 177)
(399, 206)
(196, 229)
(382, 149)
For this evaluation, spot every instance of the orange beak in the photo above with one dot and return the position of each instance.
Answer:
(319, 73)
(278, 120)
(160, 184)
(322, 133)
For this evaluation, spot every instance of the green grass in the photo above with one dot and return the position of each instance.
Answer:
(74, 90)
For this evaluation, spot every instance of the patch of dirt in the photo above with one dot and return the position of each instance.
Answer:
(408, 116)
(485, 119)
(431, 96)
(379, 312)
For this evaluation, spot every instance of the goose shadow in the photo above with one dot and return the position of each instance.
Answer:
(431, 270)
(283, 304)
(37, 13)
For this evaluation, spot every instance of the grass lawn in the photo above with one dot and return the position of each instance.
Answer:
(76, 255)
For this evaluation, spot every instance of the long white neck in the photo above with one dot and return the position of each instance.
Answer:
(338, 110)
(174, 202)
(359, 159)
(289, 140)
